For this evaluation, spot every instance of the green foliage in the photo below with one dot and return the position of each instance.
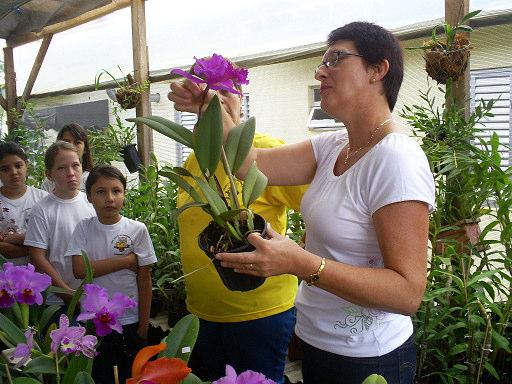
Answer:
(153, 202)
(449, 32)
(375, 379)
(224, 207)
(182, 338)
(32, 140)
(464, 329)
(106, 143)
(296, 228)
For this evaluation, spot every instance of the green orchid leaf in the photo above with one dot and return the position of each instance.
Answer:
(254, 185)
(182, 171)
(216, 203)
(167, 128)
(25, 380)
(183, 184)
(181, 338)
(12, 332)
(469, 16)
(375, 379)
(48, 314)
(40, 365)
(76, 364)
(193, 379)
(208, 138)
(228, 215)
(83, 378)
(192, 204)
(239, 143)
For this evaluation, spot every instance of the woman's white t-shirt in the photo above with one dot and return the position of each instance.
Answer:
(50, 227)
(338, 211)
(14, 214)
(102, 241)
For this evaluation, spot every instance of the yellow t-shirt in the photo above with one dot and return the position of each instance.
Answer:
(207, 297)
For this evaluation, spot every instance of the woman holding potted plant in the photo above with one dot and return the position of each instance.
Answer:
(366, 214)
(259, 322)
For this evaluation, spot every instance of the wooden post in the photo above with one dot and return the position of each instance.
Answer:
(37, 66)
(454, 11)
(10, 87)
(141, 71)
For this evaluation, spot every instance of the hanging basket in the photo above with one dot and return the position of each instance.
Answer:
(127, 97)
(131, 158)
(442, 64)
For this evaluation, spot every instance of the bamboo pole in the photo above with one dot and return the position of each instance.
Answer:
(37, 66)
(10, 86)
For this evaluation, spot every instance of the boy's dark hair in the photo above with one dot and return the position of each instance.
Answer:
(54, 149)
(107, 171)
(375, 44)
(79, 133)
(12, 148)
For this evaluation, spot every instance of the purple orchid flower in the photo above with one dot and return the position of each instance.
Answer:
(217, 72)
(7, 286)
(72, 339)
(103, 312)
(29, 284)
(247, 377)
(23, 350)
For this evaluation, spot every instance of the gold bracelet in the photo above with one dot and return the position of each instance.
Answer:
(313, 278)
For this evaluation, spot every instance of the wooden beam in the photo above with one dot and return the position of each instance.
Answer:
(37, 66)
(115, 5)
(454, 11)
(3, 102)
(141, 75)
(10, 87)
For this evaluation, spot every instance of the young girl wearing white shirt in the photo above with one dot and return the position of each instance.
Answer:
(54, 219)
(16, 202)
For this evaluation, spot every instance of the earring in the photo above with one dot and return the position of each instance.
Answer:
(372, 80)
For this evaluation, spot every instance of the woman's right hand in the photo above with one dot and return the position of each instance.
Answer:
(187, 96)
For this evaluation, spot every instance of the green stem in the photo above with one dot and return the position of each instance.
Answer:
(57, 368)
(232, 185)
(486, 344)
(8, 373)
(25, 315)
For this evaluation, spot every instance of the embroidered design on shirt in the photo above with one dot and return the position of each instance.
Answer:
(122, 243)
(360, 319)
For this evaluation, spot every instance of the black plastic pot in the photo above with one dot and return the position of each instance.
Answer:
(131, 158)
(232, 280)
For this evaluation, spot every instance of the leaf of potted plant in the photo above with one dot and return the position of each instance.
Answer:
(448, 57)
(232, 219)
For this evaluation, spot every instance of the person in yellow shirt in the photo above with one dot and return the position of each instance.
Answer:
(247, 330)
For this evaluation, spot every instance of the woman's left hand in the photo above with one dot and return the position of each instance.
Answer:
(274, 255)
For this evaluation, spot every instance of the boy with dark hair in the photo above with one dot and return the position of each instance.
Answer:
(121, 254)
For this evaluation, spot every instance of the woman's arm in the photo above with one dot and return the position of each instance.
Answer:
(402, 232)
(106, 266)
(144, 286)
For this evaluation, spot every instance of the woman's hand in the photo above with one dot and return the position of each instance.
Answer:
(273, 256)
(188, 96)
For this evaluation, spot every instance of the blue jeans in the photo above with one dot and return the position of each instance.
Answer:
(397, 367)
(259, 345)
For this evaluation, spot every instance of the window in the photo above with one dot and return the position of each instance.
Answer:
(188, 120)
(491, 84)
(318, 119)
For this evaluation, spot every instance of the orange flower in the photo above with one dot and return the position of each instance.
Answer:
(164, 370)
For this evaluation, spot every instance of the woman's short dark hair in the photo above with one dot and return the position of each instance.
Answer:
(12, 148)
(375, 44)
(79, 133)
(107, 171)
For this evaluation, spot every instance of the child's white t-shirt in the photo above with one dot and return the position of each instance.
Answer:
(102, 242)
(14, 214)
(50, 227)
(338, 212)
(48, 185)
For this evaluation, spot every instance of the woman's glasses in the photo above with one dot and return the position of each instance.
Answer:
(334, 58)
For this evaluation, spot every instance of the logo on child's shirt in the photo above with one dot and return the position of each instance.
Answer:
(122, 243)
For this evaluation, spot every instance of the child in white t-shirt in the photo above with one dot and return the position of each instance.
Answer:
(121, 254)
(16, 202)
(54, 219)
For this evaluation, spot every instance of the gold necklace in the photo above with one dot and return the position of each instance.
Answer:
(356, 151)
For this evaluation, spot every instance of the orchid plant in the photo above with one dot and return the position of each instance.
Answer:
(206, 140)
(37, 347)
